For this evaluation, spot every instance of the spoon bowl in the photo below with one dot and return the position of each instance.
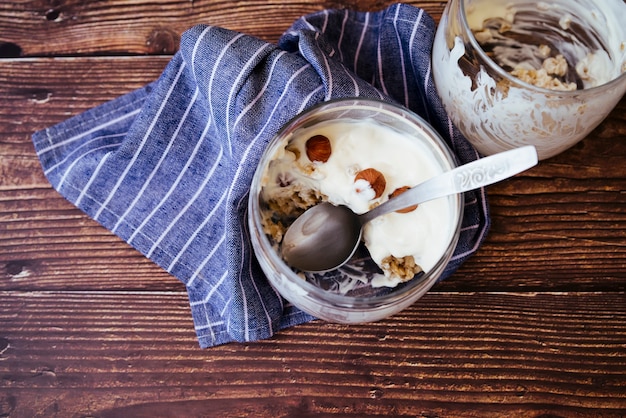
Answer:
(330, 230)
(325, 236)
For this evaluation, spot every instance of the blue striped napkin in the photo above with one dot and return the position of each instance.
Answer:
(167, 167)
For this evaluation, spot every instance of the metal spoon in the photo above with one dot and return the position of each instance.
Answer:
(325, 236)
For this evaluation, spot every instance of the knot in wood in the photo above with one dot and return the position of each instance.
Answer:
(162, 41)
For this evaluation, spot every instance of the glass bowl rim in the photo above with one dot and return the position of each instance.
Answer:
(337, 300)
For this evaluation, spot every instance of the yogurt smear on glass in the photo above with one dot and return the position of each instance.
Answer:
(513, 73)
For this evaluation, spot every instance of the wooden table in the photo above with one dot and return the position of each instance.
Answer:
(533, 325)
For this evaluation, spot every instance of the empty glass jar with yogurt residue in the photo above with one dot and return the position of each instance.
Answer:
(519, 72)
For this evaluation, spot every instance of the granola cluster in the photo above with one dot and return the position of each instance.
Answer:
(405, 268)
(549, 76)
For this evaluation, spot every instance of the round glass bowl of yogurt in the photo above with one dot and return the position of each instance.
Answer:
(358, 153)
(519, 72)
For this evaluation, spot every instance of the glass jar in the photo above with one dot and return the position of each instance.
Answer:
(346, 294)
(480, 43)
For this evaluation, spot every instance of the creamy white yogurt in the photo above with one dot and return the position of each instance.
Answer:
(424, 233)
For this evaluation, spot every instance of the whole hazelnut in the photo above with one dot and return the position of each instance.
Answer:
(398, 191)
(374, 178)
(318, 148)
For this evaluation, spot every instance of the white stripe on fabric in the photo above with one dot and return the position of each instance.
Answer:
(328, 71)
(325, 24)
(411, 42)
(81, 147)
(311, 27)
(330, 78)
(182, 173)
(379, 61)
(195, 50)
(236, 86)
(196, 195)
(346, 13)
(450, 129)
(90, 131)
(173, 187)
(156, 168)
(211, 291)
(142, 144)
(246, 316)
(354, 82)
(343, 67)
(261, 91)
(198, 229)
(469, 228)
(209, 325)
(246, 243)
(402, 62)
(426, 107)
(360, 44)
(77, 160)
(206, 260)
(471, 202)
(212, 78)
(226, 307)
(243, 165)
(94, 175)
(307, 99)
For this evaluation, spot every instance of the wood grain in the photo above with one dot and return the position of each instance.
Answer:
(133, 354)
(45, 28)
(532, 325)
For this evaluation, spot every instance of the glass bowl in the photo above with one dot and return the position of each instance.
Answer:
(346, 294)
(495, 110)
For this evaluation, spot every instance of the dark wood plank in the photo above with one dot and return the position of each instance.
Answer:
(563, 223)
(46, 28)
(104, 354)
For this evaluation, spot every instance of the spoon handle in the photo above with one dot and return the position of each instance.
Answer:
(479, 173)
